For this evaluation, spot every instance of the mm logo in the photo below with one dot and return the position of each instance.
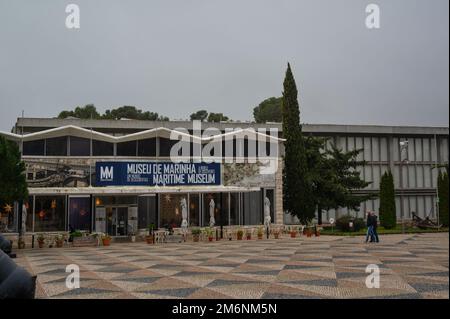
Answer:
(106, 173)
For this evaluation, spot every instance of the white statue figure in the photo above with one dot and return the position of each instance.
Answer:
(183, 204)
(267, 218)
(212, 206)
(24, 218)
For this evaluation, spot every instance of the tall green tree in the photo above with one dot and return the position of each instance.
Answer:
(269, 110)
(387, 211)
(297, 197)
(13, 185)
(443, 198)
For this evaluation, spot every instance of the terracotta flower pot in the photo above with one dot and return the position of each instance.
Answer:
(260, 236)
(293, 234)
(41, 244)
(249, 237)
(59, 243)
(239, 237)
(149, 239)
(276, 235)
(210, 238)
(106, 241)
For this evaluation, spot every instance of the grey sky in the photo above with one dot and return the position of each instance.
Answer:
(176, 56)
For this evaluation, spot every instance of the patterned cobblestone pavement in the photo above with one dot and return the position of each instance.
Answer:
(411, 266)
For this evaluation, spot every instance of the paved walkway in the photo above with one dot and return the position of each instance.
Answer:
(412, 266)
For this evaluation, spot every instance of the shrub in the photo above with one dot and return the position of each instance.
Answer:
(77, 233)
(196, 231)
(387, 201)
(343, 223)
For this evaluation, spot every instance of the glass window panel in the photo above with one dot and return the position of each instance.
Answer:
(171, 211)
(165, 145)
(426, 149)
(147, 147)
(56, 146)
(418, 149)
(34, 148)
(367, 149)
(383, 149)
(214, 203)
(194, 210)
(147, 213)
(419, 176)
(80, 213)
(100, 148)
(30, 214)
(50, 213)
(234, 209)
(79, 146)
(375, 149)
(126, 149)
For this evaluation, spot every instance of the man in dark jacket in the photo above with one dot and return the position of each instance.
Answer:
(369, 227)
(374, 222)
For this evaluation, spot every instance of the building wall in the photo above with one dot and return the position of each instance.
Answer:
(418, 190)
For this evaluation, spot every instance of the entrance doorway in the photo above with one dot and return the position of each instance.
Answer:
(117, 220)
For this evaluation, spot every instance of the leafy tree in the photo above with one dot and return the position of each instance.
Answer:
(388, 217)
(297, 198)
(346, 179)
(269, 110)
(86, 112)
(13, 186)
(443, 198)
(128, 112)
(217, 117)
(333, 176)
(200, 115)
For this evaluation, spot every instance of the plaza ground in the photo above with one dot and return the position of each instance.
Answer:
(411, 265)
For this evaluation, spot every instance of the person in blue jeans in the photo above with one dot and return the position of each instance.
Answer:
(374, 237)
(369, 225)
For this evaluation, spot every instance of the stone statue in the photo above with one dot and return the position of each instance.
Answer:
(183, 204)
(24, 218)
(212, 206)
(267, 218)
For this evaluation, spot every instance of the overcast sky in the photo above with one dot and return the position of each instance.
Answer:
(177, 56)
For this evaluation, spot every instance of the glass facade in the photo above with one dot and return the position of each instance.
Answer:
(80, 146)
(49, 213)
(56, 146)
(80, 213)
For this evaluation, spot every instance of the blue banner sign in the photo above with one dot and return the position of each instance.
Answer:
(156, 173)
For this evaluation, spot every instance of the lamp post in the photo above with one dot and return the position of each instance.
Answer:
(403, 146)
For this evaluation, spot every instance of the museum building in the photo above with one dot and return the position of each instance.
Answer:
(119, 176)
(122, 178)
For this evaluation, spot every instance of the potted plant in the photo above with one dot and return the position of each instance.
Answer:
(106, 240)
(209, 233)
(196, 234)
(150, 238)
(59, 240)
(293, 232)
(41, 240)
(230, 235)
(239, 234)
(248, 234)
(276, 233)
(260, 232)
(317, 231)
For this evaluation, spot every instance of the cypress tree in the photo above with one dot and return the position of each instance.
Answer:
(388, 217)
(297, 197)
(443, 198)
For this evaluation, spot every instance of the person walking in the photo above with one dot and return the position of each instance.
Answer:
(369, 225)
(374, 228)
